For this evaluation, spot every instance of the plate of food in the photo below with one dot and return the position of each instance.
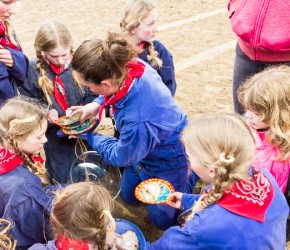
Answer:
(153, 191)
(131, 236)
(85, 126)
(68, 120)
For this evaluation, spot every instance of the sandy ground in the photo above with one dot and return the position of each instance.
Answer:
(196, 32)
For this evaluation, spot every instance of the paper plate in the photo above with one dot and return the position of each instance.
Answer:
(122, 226)
(86, 125)
(153, 191)
(90, 166)
(65, 121)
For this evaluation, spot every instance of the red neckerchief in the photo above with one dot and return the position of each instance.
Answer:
(135, 70)
(10, 160)
(4, 39)
(64, 243)
(142, 45)
(250, 197)
(59, 88)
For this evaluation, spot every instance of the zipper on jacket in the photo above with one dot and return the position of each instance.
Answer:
(258, 28)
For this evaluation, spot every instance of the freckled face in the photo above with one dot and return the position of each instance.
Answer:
(147, 30)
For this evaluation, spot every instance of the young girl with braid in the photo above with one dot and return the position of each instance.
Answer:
(139, 21)
(242, 208)
(89, 226)
(13, 63)
(51, 81)
(24, 202)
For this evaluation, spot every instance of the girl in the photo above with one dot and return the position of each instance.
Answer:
(50, 80)
(148, 119)
(139, 21)
(242, 208)
(91, 229)
(22, 175)
(265, 97)
(13, 63)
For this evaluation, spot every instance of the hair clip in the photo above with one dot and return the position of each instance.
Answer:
(112, 224)
(226, 159)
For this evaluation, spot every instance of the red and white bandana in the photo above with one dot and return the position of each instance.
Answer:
(64, 243)
(250, 197)
(135, 70)
(4, 39)
(10, 160)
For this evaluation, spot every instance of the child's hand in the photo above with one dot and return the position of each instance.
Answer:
(52, 116)
(175, 200)
(87, 111)
(6, 57)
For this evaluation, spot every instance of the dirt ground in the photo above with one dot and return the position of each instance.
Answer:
(196, 32)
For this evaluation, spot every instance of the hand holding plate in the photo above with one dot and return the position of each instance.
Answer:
(174, 200)
(87, 111)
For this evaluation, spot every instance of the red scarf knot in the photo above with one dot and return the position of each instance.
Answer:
(64, 243)
(4, 40)
(135, 69)
(9, 160)
(59, 87)
(142, 45)
(250, 197)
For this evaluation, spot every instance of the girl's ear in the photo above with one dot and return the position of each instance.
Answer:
(212, 173)
(106, 83)
(43, 55)
(133, 31)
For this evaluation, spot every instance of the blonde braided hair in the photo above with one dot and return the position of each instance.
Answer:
(19, 118)
(134, 12)
(50, 35)
(223, 143)
(6, 243)
(90, 225)
(11, 32)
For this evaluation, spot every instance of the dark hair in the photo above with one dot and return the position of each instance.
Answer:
(97, 59)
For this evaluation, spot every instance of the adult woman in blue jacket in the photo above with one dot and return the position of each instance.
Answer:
(242, 208)
(148, 119)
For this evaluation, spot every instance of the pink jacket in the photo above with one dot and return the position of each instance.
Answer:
(262, 28)
(265, 153)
